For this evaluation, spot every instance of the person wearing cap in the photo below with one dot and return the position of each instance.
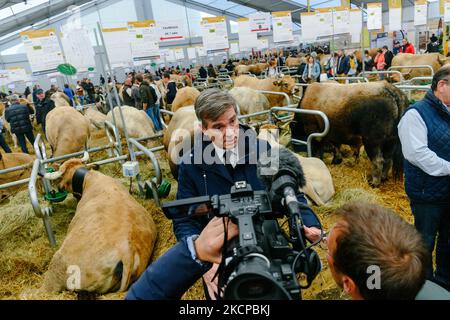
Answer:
(18, 117)
(43, 106)
(127, 93)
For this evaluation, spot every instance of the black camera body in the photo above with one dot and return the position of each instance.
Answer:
(262, 262)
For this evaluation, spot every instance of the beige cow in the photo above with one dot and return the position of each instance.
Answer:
(185, 97)
(109, 241)
(67, 131)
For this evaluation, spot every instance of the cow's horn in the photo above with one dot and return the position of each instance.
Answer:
(85, 157)
(53, 175)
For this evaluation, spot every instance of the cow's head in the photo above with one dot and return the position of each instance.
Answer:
(66, 171)
(60, 99)
(286, 84)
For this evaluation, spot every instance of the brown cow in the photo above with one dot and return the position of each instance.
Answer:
(109, 241)
(185, 97)
(10, 160)
(434, 60)
(284, 84)
(256, 69)
(294, 61)
(364, 111)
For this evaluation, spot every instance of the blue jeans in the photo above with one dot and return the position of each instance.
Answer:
(153, 113)
(433, 220)
(22, 141)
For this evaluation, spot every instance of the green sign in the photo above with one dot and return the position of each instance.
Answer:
(153, 64)
(67, 69)
(91, 69)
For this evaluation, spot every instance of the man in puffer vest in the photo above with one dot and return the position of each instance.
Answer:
(424, 132)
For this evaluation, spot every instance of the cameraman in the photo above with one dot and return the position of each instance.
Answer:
(234, 150)
(375, 254)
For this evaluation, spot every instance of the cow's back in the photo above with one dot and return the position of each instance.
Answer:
(67, 130)
(185, 97)
(138, 123)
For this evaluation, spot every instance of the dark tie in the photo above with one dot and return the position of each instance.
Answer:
(227, 162)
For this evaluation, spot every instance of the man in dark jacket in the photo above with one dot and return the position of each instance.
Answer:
(127, 93)
(343, 64)
(203, 73)
(171, 88)
(388, 56)
(223, 154)
(90, 89)
(424, 132)
(43, 106)
(146, 95)
(18, 117)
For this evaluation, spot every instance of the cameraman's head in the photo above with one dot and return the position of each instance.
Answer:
(217, 112)
(375, 254)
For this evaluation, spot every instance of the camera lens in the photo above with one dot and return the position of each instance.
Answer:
(254, 288)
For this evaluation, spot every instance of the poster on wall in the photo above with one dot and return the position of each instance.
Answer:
(259, 22)
(4, 77)
(171, 30)
(282, 26)
(395, 15)
(17, 74)
(191, 52)
(323, 22)
(420, 12)
(143, 39)
(234, 48)
(43, 51)
(247, 38)
(201, 51)
(214, 33)
(178, 53)
(78, 49)
(374, 16)
(117, 46)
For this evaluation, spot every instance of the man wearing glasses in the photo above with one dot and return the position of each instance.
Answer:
(424, 132)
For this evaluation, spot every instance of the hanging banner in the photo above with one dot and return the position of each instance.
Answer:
(309, 23)
(341, 20)
(178, 53)
(247, 39)
(191, 53)
(420, 12)
(234, 47)
(17, 74)
(43, 50)
(395, 15)
(259, 22)
(118, 47)
(323, 22)
(282, 26)
(4, 77)
(143, 39)
(78, 49)
(374, 16)
(201, 51)
(356, 22)
(215, 34)
(263, 43)
(171, 30)
(447, 10)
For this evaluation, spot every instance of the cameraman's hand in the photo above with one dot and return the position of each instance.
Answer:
(313, 233)
(209, 244)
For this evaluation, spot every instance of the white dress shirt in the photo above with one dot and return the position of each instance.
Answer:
(234, 158)
(413, 132)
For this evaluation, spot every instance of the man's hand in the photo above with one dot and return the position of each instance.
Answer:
(209, 244)
(313, 233)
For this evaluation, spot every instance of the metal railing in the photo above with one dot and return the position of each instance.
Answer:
(285, 95)
(312, 136)
(421, 66)
(416, 79)
(359, 78)
(364, 73)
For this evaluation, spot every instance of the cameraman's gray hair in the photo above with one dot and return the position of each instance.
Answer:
(212, 103)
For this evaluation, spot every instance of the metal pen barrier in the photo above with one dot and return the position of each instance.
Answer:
(316, 135)
(409, 88)
(152, 184)
(362, 74)
(43, 213)
(421, 66)
(412, 80)
(286, 96)
(114, 142)
(359, 78)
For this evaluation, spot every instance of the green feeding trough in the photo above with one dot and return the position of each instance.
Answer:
(55, 196)
(163, 189)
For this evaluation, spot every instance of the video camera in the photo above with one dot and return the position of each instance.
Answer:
(263, 261)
